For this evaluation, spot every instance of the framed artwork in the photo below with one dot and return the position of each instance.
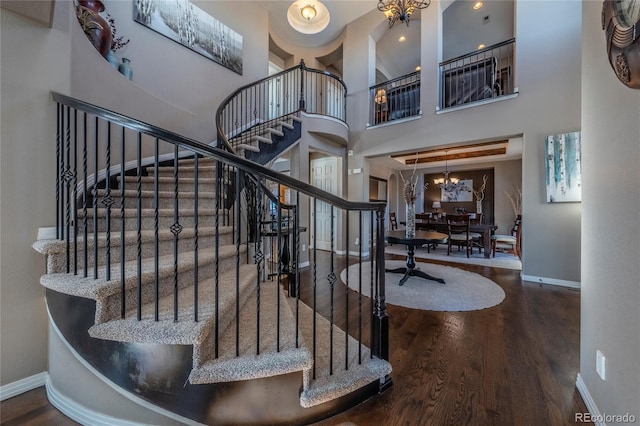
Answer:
(563, 168)
(190, 26)
(463, 193)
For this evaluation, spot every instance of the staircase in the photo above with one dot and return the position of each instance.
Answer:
(159, 257)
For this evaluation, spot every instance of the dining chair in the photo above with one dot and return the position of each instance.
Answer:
(474, 219)
(393, 221)
(508, 243)
(458, 230)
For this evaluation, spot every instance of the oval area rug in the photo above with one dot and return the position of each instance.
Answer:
(463, 291)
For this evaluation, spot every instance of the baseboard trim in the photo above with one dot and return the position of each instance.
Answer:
(79, 413)
(23, 385)
(596, 417)
(551, 281)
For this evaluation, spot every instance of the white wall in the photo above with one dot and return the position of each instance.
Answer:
(35, 59)
(610, 317)
(548, 75)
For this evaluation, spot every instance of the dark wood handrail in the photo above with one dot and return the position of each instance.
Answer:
(217, 153)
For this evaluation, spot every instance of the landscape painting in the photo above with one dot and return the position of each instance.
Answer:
(463, 192)
(190, 26)
(563, 168)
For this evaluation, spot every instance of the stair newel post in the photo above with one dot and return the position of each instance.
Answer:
(380, 320)
(301, 104)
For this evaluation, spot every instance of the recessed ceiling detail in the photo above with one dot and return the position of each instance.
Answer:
(477, 150)
(308, 16)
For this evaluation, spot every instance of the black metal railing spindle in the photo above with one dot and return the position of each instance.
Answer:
(67, 181)
(95, 198)
(139, 225)
(85, 168)
(107, 200)
(332, 281)
(75, 192)
(122, 227)
(196, 192)
(176, 228)
(156, 226)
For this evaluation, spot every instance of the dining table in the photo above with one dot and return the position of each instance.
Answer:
(485, 229)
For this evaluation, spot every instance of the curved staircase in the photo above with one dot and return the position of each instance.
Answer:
(154, 282)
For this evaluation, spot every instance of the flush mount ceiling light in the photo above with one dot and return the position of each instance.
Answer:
(477, 5)
(308, 12)
(402, 39)
(481, 46)
(400, 10)
(308, 16)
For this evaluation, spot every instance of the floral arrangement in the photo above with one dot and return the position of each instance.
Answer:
(409, 189)
(117, 43)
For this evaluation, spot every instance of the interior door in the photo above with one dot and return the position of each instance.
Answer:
(324, 172)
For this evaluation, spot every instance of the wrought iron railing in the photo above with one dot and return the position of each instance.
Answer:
(249, 111)
(483, 74)
(395, 99)
(137, 204)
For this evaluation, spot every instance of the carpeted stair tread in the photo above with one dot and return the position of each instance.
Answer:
(329, 385)
(148, 212)
(270, 361)
(162, 195)
(54, 246)
(184, 331)
(100, 288)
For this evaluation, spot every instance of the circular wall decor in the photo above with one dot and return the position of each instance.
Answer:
(620, 22)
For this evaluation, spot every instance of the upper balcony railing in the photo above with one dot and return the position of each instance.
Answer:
(476, 76)
(395, 99)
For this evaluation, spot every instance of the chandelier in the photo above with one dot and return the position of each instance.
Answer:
(401, 10)
(447, 183)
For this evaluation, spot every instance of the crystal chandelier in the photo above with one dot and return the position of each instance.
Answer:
(447, 183)
(401, 10)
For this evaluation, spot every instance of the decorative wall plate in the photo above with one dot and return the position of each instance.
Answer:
(620, 22)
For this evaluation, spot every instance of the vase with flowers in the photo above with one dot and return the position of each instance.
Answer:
(410, 192)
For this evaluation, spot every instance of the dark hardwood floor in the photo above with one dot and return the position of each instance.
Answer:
(513, 364)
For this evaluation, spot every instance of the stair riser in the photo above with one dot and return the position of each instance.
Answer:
(57, 263)
(166, 285)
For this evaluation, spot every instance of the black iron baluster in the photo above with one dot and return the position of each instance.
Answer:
(84, 195)
(281, 256)
(95, 200)
(346, 302)
(218, 182)
(74, 176)
(360, 287)
(176, 228)
(332, 282)
(59, 223)
(315, 280)
(258, 260)
(380, 342)
(238, 239)
(107, 200)
(296, 263)
(156, 248)
(139, 224)
(301, 104)
(122, 227)
(371, 281)
(195, 237)
(67, 180)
